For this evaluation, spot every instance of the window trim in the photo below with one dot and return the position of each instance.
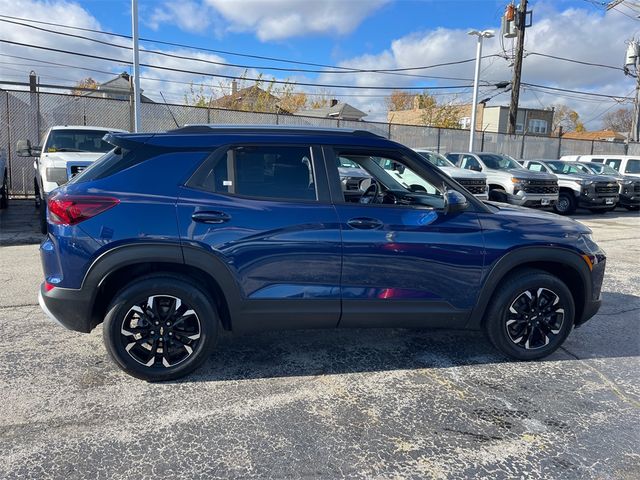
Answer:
(317, 164)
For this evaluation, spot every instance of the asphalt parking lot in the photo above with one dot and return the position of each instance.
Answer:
(324, 404)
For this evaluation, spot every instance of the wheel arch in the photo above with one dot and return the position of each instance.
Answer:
(563, 263)
(117, 267)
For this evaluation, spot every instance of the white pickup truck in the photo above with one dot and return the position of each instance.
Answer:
(65, 152)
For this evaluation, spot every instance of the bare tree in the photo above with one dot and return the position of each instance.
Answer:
(566, 118)
(620, 120)
(83, 84)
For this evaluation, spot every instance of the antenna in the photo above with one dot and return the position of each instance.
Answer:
(170, 112)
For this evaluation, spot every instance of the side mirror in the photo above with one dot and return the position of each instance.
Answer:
(24, 149)
(398, 167)
(454, 202)
(475, 168)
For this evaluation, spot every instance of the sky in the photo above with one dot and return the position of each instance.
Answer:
(356, 34)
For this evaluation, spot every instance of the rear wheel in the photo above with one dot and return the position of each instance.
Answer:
(42, 217)
(566, 204)
(530, 315)
(160, 328)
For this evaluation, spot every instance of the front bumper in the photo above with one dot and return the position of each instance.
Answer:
(592, 304)
(67, 307)
(608, 201)
(629, 200)
(532, 199)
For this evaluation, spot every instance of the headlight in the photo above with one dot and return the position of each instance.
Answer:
(523, 181)
(626, 182)
(57, 175)
(584, 183)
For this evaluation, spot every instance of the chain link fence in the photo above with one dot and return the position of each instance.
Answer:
(25, 115)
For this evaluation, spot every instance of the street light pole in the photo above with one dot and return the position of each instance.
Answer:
(476, 80)
(136, 66)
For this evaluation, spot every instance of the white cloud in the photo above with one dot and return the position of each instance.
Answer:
(187, 15)
(280, 19)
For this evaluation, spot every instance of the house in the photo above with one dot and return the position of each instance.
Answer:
(599, 135)
(336, 110)
(118, 88)
(251, 99)
(492, 119)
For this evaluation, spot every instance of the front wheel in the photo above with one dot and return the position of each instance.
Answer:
(498, 195)
(530, 316)
(632, 208)
(42, 217)
(160, 328)
(4, 193)
(566, 204)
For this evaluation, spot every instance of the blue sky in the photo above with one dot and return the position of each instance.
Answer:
(363, 34)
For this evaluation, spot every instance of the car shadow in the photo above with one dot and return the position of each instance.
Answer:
(582, 214)
(335, 351)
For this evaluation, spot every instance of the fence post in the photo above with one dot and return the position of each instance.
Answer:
(559, 141)
(277, 119)
(439, 131)
(389, 131)
(482, 142)
(524, 136)
(9, 144)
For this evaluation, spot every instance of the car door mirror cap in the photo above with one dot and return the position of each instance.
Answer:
(454, 202)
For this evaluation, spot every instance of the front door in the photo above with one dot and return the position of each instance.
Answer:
(405, 262)
(264, 212)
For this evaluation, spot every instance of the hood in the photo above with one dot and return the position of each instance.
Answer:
(454, 172)
(538, 219)
(530, 175)
(353, 172)
(585, 176)
(59, 159)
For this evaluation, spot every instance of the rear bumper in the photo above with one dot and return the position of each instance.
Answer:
(67, 307)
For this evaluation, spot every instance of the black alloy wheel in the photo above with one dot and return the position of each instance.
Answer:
(162, 330)
(530, 314)
(160, 327)
(534, 318)
(566, 204)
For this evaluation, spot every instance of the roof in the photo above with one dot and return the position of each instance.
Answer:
(203, 136)
(339, 110)
(86, 127)
(608, 135)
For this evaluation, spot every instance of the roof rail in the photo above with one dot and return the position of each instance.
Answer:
(283, 129)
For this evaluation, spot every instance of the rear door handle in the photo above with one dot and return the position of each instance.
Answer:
(210, 217)
(365, 223)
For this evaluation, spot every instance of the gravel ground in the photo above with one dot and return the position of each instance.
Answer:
(327, 404)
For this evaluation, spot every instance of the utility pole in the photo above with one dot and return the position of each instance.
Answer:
(136, 66)
(521, 21)
(476, 80)
(632, 61)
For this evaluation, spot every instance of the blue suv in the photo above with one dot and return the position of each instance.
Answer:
(173, 236)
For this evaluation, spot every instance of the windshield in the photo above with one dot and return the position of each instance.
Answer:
(499, 162)
(602, 169)
(563, 168)
(436, 159)
(77, 141)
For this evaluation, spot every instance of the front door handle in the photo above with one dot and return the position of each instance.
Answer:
(365, 223)
(210, 217)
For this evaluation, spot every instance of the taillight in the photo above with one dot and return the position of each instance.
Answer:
(70, 210)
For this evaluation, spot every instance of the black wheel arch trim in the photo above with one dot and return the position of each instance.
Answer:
(528, 255)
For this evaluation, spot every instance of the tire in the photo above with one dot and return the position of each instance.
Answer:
(185, 353)
(511, 332)
(498, 195)
(4, 193)
(42, 217)
(36, 189)
(632, 208)
(566, 204)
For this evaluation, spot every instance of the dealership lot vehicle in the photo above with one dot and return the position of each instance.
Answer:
(508, 181)
(578, 188)
(475, 182)
(65, 152)
(629, 185)
(624, 164)
(251, 230)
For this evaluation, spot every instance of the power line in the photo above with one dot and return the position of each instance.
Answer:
(557, 89)
(572, 60)
(337, 69)
(234, 77)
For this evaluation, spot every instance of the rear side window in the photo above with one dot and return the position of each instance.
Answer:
(614, 163)
(111, 163)
(633, 166)
(278, 172)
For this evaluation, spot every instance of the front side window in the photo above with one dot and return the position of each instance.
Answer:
(393, 183)
(633, 166)
(435, 159)
(614, 163)
(499, 162)
(470, 163)
(77, 141)
(270, 172)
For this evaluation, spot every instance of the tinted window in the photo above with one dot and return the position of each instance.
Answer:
(113, 162)
(259, 171)
(470, 163)
(499, 162)
(633, 166)
(436, 159)
(77, 141)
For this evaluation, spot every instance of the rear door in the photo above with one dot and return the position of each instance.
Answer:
(264, 212)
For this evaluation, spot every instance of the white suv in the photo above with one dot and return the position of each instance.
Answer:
(625, 164)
